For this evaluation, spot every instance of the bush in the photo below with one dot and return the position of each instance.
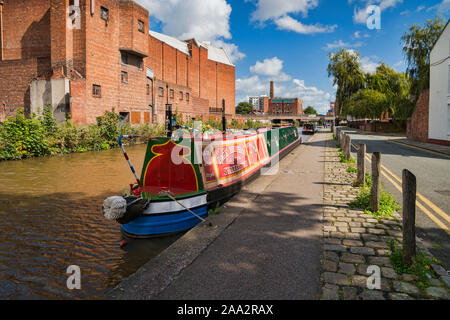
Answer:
(388, 205)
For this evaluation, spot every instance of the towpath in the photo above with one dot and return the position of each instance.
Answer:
(266, 243)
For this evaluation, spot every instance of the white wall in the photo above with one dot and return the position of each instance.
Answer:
(53, 92)
(439, 117)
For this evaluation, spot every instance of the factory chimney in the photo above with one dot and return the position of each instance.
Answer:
(271, 90)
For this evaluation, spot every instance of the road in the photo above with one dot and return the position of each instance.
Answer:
(432, 171)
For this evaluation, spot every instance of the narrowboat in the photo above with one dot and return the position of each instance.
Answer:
(183, 176)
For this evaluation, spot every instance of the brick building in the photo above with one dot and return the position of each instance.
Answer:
(288, 106)
(84, 57)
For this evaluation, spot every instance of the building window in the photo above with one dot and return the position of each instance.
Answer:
(96, 91)
(131, 59)
(181, 95)
(171, 93)
(104, 13)
(187, 97)
(161, 91)
(124, 77)
(141, 26)
(148, 89)
(124, 57)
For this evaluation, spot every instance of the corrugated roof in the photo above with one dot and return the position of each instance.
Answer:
(171, 41)
(214, 53)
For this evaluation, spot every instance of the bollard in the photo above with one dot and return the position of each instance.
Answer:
(409, 216)
(361, 164)
(348, 147)
(376, 182)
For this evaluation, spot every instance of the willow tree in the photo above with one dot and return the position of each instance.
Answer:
(417, 44)
(367, 103)
(347, 76)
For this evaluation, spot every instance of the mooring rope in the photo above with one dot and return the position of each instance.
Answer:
(169, 194)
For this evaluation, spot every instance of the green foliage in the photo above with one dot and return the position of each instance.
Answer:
(310, 111)
(352, 169)
(244, 108)
(388, 205)
(216, 210)
(417, 44)
(22, 137)
(420, 267)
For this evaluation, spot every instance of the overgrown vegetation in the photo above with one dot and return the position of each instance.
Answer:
(25, 137)
(420, 267)
(343, 158)
(352, 169)
(374, 95)
(388, 205)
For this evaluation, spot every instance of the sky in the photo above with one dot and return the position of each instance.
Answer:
(288, 41)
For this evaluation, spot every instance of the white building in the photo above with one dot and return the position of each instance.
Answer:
(439, 109)
(255, 102)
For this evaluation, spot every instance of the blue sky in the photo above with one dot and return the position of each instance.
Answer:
(288, 41)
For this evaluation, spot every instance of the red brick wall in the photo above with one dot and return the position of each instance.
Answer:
(26, 31)
(78, 101)
(16, 78)
(417, 128)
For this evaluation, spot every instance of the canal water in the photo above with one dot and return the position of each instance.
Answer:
(50, 211)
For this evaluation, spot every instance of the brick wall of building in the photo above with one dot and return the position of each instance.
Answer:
(417, 127)
(92, 56)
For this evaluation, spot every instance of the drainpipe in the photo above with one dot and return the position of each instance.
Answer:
(92, 7)
(1, 30)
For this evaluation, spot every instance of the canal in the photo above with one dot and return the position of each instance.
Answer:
(50, 211)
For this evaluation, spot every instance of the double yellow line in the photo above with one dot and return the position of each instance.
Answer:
(397, 183)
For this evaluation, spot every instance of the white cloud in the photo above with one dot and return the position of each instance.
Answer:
(368, 64)
(278, 11)
(290, 24)
(268, 67)
(443, 7)
(341, 44)
(203, 20)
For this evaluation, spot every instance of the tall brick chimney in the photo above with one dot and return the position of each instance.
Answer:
(1, 30)
(271, 90)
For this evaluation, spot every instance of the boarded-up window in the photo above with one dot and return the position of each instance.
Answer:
(135, 117)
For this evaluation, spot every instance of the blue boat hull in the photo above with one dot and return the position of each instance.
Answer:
(157, 225)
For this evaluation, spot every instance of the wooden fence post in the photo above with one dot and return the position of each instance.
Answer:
(361, 164)
(348, 147)
(376, 182)
(409, 216)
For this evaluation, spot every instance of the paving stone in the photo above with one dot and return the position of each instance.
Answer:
(399, 296)
(409, 277)
(329, 228)
(330, 266)
(330, 292)
(383, 252)
(359, 281)
(355, 224)
(377, 245)
(330, 255)
(355, 243)
(372, 295)
(350, 293)
(343, 229)
(341, 224)
(358, 230)
(389, 273)
(370, 237)
(446, 279)
(395, 233)
(376, 231)
(336, 278)
(368, 225)
(362, 250)
(353, 236)
(372, 220)
(405, 287)
(439, 270)
(341, 219)
(333, 241)
(352, 258)
(346, 268)
(337, 235)
(435, 282)
(439, 293)
(380, 261)
(362, 269)
(335, 247)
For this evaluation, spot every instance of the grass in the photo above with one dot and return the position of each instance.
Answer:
(420, 267)
(352, 169)
(388, 205)
(216, 210)
(344, 158)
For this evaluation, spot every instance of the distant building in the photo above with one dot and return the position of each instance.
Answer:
(288, 106)
(254, 101)
(430, 121)
(260, 104)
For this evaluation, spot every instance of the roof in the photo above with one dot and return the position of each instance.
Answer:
(214, 53)
(283, 100)
(442, 32)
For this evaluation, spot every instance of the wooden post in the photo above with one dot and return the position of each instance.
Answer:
(409, 216)
(361, 164)
(376, 182)
(348, 147)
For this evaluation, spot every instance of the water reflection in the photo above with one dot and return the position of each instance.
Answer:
(50, 219)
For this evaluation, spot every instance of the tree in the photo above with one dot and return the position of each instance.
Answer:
(347, 75)
(417, 44)
(244, 108)
(310, 110)
(367, 103)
